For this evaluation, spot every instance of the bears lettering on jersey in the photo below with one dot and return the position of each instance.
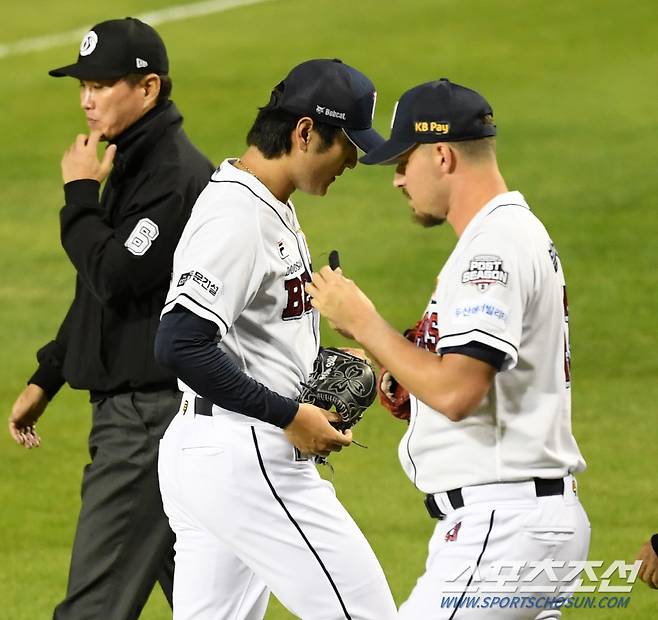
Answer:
(428, 332)
(299, 301)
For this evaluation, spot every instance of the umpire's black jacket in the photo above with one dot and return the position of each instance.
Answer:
(122, 249)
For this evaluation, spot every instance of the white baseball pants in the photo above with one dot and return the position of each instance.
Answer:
(250, 519)
(505, 523)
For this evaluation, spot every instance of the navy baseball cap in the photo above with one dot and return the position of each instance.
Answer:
(438, 111)
(115, 48)
(331, 92)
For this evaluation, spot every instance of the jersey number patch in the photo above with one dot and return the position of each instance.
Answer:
(299, 301)
(142, 236)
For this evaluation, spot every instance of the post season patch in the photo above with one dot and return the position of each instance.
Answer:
(484, 270)
(200, 282)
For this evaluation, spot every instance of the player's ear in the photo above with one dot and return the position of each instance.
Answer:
(302, 133)
(150, 87)
(444, 156)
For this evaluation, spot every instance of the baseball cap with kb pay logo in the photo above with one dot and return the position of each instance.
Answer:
(438, 111)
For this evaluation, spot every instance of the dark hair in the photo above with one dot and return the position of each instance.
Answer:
(271, 131)
(166, 84)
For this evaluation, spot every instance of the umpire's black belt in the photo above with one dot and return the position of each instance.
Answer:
(543, 488)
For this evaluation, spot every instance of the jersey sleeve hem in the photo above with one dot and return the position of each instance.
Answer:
(478, 335)
(195, 307)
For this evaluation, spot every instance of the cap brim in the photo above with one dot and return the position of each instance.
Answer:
(364, 139)
(86, 72)
(389, 152)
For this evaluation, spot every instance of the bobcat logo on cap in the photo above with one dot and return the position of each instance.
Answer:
(89, 43)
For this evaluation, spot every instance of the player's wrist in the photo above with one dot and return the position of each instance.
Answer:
(367, 327)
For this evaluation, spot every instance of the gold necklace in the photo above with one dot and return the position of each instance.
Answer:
(246, 168)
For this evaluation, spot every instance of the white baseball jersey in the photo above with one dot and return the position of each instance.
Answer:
(502, 286)
(242, 263)
(249, 515)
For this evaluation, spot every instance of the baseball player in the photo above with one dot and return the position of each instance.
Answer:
(489, 440)
(250, 513)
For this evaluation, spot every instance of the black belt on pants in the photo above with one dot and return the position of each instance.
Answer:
(202, 406)
(543, 488)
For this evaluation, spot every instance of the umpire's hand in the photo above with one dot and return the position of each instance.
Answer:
(27, 409)
(80, 160)
(311, 433)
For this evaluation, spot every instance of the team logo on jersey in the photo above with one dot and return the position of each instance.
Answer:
(427, 332)
(298, 301)
(206, 285)
(485, 270)
(283, 250)
(451, 536)
(89, 43)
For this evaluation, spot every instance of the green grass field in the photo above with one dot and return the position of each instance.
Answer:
(573, 86)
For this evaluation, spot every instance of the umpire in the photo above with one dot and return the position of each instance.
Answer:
(121, 242)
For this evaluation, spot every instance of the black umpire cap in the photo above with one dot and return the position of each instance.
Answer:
(438, 111)
(331, 92)
(115, 48)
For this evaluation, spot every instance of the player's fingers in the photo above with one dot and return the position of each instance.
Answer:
(328, 273)
(344, 438)
(318, 279)
(332, 416)
(15, 431)
(94, 138)
(311, 289)
(80, 141)
(108, 158)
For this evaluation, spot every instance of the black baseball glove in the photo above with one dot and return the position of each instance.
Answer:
(343, 380)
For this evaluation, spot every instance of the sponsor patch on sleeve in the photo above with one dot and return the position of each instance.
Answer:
(483, 271)
(490, 311)
(200, 282)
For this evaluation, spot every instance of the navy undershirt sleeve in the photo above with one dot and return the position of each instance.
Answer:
(186, 345)
(483, 352)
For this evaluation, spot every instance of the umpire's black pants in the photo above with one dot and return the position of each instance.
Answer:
(123, 543)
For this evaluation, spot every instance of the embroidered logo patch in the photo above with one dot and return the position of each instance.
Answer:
(482, 308)
(206, 285)
(283, 250)
(485, 270)
(89, 43)
(451, 536)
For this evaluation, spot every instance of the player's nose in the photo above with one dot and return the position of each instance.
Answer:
(399, 179)
(86, 98)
